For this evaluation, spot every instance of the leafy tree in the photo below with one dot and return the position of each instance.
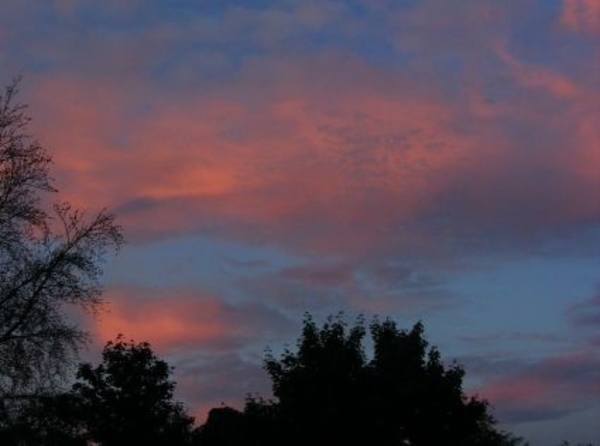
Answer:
(47, 260)
(419, 401)
(322, 388)
(328, 392)
(127, 399)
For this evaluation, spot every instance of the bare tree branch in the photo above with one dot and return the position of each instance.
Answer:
(47, 260)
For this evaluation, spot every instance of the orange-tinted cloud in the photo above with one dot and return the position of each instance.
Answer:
(182, 320)
(290, 152)
(272, 162)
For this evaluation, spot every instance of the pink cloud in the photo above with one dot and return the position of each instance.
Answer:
(308, 162)
(282, 158)
(545, 389)
(581, 16)
(182, 320)
(536, 77)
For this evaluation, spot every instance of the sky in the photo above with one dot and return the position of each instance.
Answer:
(415, 159)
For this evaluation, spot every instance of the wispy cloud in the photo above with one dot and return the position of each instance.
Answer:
(183, 319)
(546, 389)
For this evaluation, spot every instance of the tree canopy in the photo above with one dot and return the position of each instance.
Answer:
(328, 392)
(128, 398)
(330, 389)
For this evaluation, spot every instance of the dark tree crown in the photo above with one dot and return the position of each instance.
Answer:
(327, 391)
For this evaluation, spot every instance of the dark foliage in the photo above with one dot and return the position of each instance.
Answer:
(327, 392)
(128, 399)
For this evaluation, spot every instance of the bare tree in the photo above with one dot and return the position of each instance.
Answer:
(49, 259)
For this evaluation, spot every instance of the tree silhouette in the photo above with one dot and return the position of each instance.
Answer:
(416, 399)
(322, 388)
(127, 399)
(47, 260)
(328, 392)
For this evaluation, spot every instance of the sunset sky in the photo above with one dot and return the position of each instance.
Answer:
(434, 160)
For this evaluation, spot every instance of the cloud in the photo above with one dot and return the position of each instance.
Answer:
(285, 150)
(369, 288)
(314, 166)
(531, 76)
(212, 344)
(209, 381)
(183, 320)
(546, 389)
(586, 313)
(584, 316)
(319, 275)
(581, 15)
(433, 28)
